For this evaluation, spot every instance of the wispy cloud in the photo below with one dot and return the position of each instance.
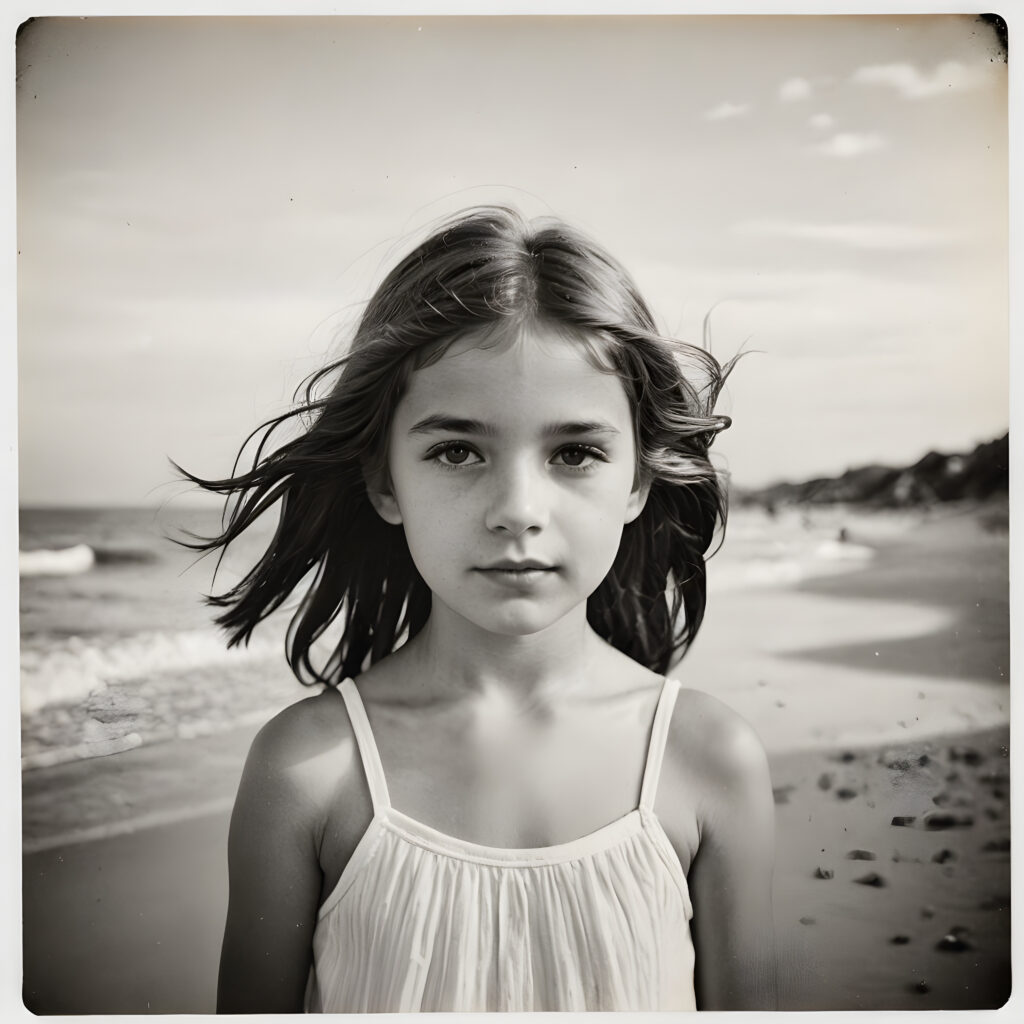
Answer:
(726, 110)
(821, 121)
(859, 235)
(914, 84)
(847, 144)
(794, 89)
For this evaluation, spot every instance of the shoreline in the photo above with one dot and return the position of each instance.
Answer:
(898, 616)
(57, 813)
(850, 658)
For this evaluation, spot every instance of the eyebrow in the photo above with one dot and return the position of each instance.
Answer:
(459, 425)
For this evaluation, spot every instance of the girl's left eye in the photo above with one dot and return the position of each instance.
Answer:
(579, 456)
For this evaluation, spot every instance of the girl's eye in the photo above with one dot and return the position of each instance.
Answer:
(454, 454)
(579, 456)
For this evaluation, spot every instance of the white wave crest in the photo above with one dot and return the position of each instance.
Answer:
(69, 669)
(843, 551)
(58, 562)
(790, 566)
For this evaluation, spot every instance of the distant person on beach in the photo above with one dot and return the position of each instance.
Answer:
(499, 504)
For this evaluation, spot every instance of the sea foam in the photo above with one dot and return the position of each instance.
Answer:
(787, 565)
(57, 562)
(67, 669)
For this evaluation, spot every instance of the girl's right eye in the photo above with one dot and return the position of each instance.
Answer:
(454, 453)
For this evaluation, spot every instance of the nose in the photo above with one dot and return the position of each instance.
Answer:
(518, 503)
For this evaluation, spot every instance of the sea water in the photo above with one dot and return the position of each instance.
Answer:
(119, 649)
(114, 632)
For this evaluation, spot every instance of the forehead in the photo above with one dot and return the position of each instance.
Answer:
(537, 370)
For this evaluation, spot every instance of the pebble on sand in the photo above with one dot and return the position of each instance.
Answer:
(936, 821)
(808, 920)
(825, 873)
(994, 903)
(780, 794)
(997, 845)
(952, 944)
(872, 878)
(825, 780)
(899, 940)
(903, 820)
(920, 986)
(860, 855)
(845, 793)
(943, 855)
(966, 754)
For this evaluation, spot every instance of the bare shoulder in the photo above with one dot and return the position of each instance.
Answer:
(714, 745)
(303, 729)
(304, 752)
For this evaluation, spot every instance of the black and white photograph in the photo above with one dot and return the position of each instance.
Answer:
(512, 510)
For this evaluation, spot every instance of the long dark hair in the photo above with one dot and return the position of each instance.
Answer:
(487, 268)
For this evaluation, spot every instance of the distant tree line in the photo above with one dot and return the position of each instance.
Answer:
(934, 478)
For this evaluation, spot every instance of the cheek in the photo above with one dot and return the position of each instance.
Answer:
(436, 520)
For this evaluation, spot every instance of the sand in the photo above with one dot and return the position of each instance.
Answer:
(124, 869)
(873, 933)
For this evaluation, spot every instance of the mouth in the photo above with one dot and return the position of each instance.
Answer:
(528, 567)
(518, 575)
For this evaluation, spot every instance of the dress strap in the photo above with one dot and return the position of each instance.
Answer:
(659, 736)
(368, 752)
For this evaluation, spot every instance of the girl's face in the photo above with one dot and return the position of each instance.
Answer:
(513, 471)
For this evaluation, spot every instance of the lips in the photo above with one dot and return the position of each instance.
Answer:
(512, 566)
(518, 576)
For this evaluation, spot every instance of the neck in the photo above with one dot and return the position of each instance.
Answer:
(457, 655)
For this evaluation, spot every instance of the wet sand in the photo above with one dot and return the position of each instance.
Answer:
(892, 887)
(125, 876)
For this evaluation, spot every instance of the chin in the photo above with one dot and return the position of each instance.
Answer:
(515, 623)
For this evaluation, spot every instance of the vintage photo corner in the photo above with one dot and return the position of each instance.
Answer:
(513, 512)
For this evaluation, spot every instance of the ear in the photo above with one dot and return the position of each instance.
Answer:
(638, 497)
(382, 498)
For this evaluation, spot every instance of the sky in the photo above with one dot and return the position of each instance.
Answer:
(203, 204)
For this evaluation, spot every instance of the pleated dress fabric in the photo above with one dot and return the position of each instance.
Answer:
(421, 920)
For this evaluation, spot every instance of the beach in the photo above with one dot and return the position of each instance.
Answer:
(875, 667)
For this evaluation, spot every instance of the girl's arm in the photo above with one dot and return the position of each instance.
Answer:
(731, 876)
(274, 874)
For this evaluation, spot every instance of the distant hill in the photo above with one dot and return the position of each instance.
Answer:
(932, 479)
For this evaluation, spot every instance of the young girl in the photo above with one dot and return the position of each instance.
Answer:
(497, 801)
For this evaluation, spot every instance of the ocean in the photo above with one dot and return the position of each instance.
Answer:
(118, 648)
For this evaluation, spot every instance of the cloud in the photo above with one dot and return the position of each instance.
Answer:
(726, 110)
(794, 89)
(913, 84)
(847, 144)
(859, 235)
(821, 121)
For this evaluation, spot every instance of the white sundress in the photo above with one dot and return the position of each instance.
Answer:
(421, 920)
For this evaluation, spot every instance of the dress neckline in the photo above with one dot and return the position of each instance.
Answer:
(422, 834)
(428, 835)
(387, 820)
